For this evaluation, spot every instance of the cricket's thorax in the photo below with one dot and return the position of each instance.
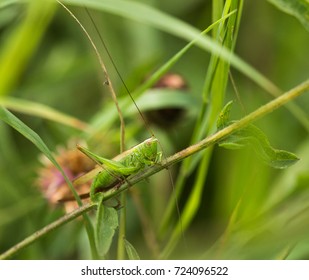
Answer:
(142, 155)
(147, 152)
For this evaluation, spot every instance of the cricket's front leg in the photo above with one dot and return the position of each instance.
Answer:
(159, 157)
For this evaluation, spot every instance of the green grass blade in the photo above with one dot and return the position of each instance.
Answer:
(5, 3)
(42, 111)
(27, 132)
(13, 58)
(215, 83)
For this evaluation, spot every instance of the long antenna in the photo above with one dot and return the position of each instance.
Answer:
(118, 73)
(106, 76)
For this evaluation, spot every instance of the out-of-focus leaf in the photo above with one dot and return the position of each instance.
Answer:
(164, 98)
(5, 3)
(40, 110)
(13, 57)
(297, 8)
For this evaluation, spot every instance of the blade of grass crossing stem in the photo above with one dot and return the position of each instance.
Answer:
(218, 71)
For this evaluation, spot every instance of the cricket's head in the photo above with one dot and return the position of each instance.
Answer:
(150, 149)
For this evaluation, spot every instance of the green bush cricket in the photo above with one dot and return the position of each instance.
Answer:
(128, 163)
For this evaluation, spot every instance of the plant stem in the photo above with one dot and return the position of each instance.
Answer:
(40, 233)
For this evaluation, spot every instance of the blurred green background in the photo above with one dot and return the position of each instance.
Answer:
(247, 210)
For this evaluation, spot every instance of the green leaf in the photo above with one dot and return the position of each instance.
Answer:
(106, 224)
(162, 98)
(131, 251)
(40, 110)
(297, 8)
(283, 159)
(255, 138)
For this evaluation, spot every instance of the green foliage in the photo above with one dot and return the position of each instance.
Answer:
(256, 139)
(106, 225)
